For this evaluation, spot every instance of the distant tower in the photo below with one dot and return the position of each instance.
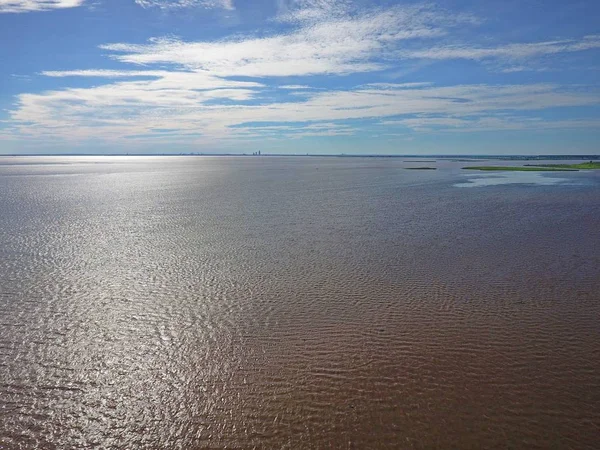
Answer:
(259, 153)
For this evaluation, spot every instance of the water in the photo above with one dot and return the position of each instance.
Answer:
(296, 303)
(496, 178)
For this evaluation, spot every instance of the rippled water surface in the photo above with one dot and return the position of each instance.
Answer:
(181, 302)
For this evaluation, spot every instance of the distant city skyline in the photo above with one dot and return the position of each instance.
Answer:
(299, 76)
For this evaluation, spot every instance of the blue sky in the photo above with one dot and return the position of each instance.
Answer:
(298, 76)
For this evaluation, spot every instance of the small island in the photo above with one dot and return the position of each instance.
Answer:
(421, 168)
(592, 165)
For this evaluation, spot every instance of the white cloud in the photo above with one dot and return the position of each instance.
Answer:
(508, 52)
(122, 110)
(295, 131)
(178, 4)
(103, 73)
(297, 11)
(294, 87)
(314, 11)
(397, 85)
(338, 46)
(20, 6)
(164, 79)
(490, 123)
(187, 87)
(339, 42)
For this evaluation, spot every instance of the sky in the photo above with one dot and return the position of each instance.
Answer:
(300, 76)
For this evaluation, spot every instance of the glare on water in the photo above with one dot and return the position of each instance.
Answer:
(296, 303)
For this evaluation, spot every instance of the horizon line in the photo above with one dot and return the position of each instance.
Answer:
(339, 155)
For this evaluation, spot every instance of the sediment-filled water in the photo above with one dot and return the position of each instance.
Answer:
(194, 302)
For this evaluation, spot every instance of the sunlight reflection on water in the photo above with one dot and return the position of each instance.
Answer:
(207, 302)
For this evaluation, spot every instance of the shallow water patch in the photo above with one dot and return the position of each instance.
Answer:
(495, 179)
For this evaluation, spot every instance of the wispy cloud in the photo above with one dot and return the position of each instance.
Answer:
(131, 108)
(508, 52)
(178, 4)
(163, 79)
(103, 73)
(294, 87)
(489, 123)
(21, 6)
(339, 41)
(338, 46)
(298, 11)
(224, 89)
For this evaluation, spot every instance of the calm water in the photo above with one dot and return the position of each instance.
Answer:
(154, 303)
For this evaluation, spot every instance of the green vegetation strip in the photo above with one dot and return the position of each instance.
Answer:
(583, 166)
(521, 169)
(420, 168)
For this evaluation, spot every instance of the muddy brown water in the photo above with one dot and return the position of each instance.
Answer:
(183, 303)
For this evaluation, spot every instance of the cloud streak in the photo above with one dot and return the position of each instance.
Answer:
(180, 4)
(22, 6)
(132, 108)
(270, 86)
(336, 46)
(489, 123)
(508, 52)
